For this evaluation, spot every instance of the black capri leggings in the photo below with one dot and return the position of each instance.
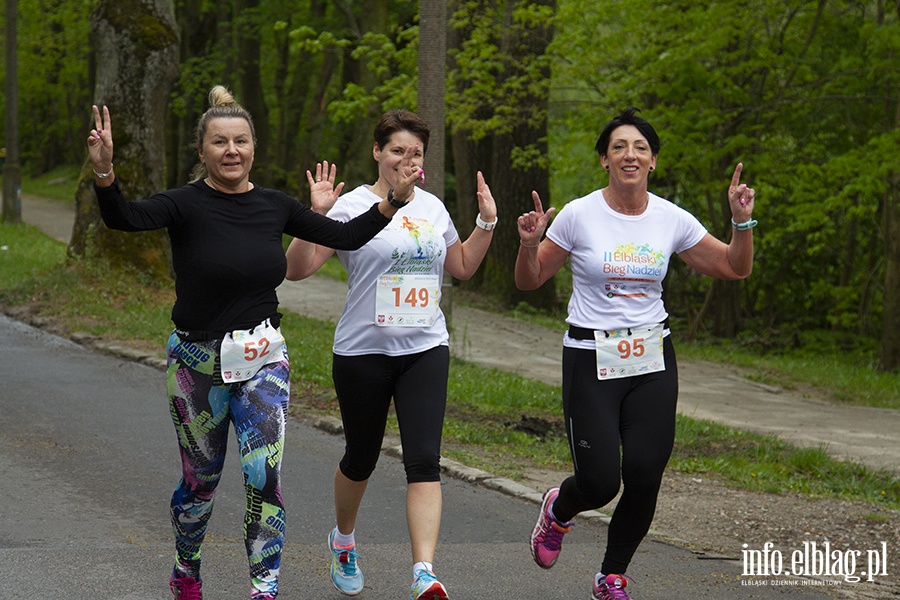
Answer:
(418, 384)
(637, 413)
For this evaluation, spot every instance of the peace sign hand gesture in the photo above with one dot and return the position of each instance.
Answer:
(100, 144)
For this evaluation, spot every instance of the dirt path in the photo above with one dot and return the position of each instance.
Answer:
(868, 435)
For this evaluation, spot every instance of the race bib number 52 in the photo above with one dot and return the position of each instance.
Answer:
(246, 351)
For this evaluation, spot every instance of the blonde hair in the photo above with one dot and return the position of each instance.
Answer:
(222, 105)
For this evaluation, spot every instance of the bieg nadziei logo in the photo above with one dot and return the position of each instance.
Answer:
(826, 565)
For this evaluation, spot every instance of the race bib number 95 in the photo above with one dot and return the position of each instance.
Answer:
(629, 352)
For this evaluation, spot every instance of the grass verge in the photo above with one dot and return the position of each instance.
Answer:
(507, 427)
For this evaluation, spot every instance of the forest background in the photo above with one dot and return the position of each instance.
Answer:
(805, 93)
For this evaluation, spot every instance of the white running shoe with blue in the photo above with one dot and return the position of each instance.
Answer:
(346, 575)
(427, 587)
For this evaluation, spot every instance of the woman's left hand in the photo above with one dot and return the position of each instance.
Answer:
(322, 193)
(740, 197)
(487, 208)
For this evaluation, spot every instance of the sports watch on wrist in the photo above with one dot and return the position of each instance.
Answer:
(395, 202)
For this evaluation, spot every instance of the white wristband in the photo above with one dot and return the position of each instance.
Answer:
(484, 225)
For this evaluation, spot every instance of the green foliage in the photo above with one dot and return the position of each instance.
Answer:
(54, 96)
(492, 85)
(805, 97)
(391, 59)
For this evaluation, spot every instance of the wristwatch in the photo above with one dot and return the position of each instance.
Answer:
(484, 224)
(395, 202)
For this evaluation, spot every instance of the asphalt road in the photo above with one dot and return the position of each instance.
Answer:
(88, 460)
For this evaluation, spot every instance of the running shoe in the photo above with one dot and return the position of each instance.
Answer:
(346, 575)
(611, 588)
(427, 587)
(185, 588)
(546, 539)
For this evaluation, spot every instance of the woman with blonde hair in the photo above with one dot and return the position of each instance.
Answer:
(227, 359)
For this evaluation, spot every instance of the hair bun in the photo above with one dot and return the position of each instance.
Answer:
(220, 96)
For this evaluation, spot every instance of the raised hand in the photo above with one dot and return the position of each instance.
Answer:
(487, 208)
(532, 225)
(409, 174)
(100, 142)
(322, 193)
(740, 197)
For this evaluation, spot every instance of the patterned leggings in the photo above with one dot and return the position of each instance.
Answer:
(202, 408)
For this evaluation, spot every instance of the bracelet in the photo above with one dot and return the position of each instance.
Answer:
(103, 175)
(484, 224)
(521, 243)
(745, 226)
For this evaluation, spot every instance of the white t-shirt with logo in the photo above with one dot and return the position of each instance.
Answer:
(619, 261)
(412, 246)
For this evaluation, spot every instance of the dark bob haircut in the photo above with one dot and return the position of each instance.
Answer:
(401, 120)
(628, 117)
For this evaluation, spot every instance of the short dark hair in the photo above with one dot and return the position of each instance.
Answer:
(401, 120)
(628, 117)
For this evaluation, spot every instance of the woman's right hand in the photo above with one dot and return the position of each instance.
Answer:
(532, 225)
(409, 174)
(100, 142)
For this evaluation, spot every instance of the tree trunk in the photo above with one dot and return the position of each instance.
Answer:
(12, 206)
(513, 184)
(890, 334)
(432, 86)
(200, 31)
(135, 45)
(250, 88)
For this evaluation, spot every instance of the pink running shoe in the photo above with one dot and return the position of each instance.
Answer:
(186, 588)
(546, 539)
(611, 588)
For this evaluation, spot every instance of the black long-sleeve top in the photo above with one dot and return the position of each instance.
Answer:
(227, 249)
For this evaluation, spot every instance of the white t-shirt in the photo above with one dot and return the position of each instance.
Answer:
(414, 243)
(619, 261)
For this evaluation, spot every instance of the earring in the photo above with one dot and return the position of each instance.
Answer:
(651, 168)
(606, 167)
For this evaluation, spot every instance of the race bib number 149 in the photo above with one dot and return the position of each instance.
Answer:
(407, 300)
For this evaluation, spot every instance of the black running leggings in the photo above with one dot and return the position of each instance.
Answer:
(418, 384)
(634, 413)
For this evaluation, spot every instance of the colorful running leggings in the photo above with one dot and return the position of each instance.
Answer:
(202, 408)
(418, 385)
(636, 412)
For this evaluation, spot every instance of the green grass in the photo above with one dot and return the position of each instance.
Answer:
(504, 427)
(58, 184)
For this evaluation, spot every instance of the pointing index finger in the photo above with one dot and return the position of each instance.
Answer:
(538, 207)
(736, 178)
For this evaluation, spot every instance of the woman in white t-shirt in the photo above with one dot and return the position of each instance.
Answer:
(620, 378)
(392, 340)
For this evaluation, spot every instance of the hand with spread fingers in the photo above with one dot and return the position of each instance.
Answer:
(322, 192)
